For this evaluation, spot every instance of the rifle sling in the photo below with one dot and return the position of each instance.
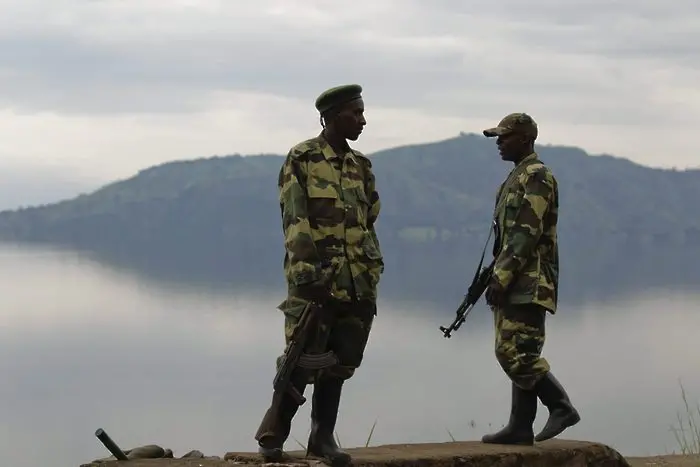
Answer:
(483, 254)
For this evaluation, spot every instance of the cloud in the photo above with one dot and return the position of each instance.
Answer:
(161, 80)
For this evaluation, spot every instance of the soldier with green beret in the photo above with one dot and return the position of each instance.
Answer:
(329, 207)
(524, 283)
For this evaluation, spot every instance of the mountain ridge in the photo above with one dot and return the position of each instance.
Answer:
(621, 223)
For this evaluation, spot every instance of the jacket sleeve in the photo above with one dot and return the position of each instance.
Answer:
(523, 226)
(304, 264)
(375, 205)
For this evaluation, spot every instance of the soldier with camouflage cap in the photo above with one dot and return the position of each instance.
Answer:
(329, 205)
(524, 284)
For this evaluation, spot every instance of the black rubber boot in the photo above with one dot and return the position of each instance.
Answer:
(276, 425)
(324, 413)
(562, 413)
(522, 415)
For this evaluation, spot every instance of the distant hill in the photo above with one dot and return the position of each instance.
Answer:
(28, 186)
(622, 225)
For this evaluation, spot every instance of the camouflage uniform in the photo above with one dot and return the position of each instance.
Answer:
(329, 205)
(526, 268)
(329, 232)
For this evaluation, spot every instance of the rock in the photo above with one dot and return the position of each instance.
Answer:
(150, 451)
(551, 453)
(198, 455)
(194, 454)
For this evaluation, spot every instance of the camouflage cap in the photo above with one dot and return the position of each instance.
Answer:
(337, 95)
(517, 122)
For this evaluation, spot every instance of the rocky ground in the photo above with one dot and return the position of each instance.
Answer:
(665, 461)
(553, 453)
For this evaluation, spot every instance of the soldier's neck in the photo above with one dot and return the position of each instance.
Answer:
(337, 142)
(522, 156)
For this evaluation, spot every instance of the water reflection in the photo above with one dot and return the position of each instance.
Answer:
(84, 347)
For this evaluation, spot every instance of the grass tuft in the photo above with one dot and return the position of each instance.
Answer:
(687, 432)
(371, 432)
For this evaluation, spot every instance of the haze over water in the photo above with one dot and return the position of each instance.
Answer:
(84, 346)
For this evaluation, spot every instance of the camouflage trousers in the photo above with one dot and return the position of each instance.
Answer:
(344, 328)
(520, 332)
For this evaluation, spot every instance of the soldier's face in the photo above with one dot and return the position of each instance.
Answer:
(351, 120)
(511, 146)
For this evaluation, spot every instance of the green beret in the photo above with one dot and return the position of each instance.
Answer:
(338, 95)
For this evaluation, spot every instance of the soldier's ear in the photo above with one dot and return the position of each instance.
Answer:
(330, 116)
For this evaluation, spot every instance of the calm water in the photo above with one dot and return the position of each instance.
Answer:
(83, 346)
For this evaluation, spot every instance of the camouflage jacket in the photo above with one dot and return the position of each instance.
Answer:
(329, 207)
(526, 213)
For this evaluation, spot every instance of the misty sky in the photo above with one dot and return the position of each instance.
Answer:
(107, 87)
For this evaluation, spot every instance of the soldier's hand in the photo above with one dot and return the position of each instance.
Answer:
(314, 291)
(495, 294)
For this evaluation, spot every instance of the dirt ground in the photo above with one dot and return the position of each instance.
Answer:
(662, 461)
(474, 454)
(665, 461)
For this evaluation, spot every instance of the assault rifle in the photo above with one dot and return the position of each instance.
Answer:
(475, 291)
(294, 356)
(295, 359)
(477, 288)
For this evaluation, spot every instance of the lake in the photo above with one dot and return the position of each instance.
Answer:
(86, 346)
